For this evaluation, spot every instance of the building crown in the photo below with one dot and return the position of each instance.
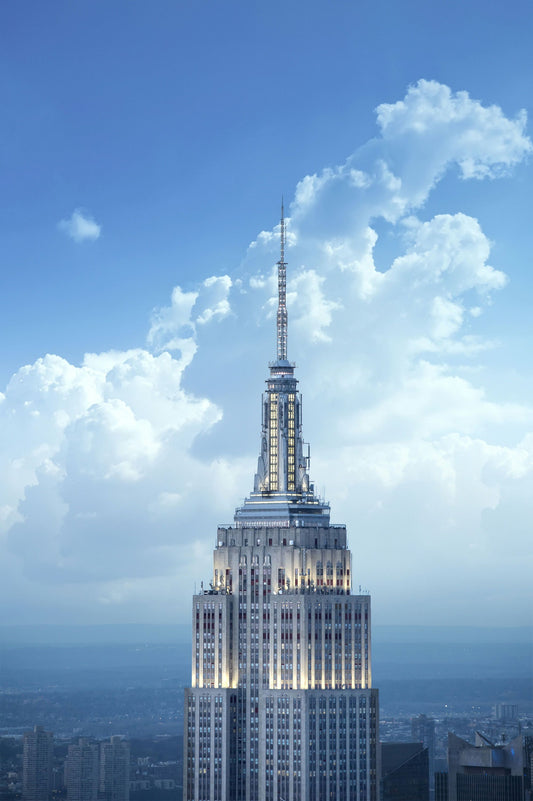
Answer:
(282, 489)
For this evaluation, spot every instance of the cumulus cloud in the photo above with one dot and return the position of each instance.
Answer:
(428, 132)
(388, 380)
(89, 492)
(433, 526)
(114, 475)
(480, 139)
(174, 327)
(215, 304)
(80, 227)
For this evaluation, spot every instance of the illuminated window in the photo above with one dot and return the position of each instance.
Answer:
(273, 441)
(291, 473)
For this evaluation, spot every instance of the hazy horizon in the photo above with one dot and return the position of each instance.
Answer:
(180, 633)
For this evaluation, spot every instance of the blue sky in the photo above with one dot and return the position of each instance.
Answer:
(144, 147)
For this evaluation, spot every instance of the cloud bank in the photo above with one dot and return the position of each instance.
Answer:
(106, 496)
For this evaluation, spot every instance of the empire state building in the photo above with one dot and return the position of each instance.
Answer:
(281, 706)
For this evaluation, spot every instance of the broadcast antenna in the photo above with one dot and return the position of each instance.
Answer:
(282, 295)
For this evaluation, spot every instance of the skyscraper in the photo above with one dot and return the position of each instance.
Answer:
(404, 772)
(281, 706)
(483, 771)
(82, 768)
(115, 770)
(37, 759)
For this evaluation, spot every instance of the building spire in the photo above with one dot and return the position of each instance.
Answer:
(282, 295)
(283, 493)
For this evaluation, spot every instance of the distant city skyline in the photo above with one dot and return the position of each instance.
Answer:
(144, 160)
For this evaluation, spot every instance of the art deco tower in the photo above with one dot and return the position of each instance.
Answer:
(281, 706)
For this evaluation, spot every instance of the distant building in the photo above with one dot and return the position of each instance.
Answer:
(404, 772)
(423, 731)
(37, 760)
(506, 711)
(82, 771)
(115, 770)
(483, 771)
(528, 761)
(441, 785)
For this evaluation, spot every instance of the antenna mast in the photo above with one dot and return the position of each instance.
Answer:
(282, 295)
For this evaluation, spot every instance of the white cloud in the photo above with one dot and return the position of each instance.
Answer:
(89, 495)
(413, 431)
(265, 238)
(316, 315)
(80, 227)
(430, 402)
(454, 250)
(114, 474)
(215, 303)
(174, 327)
(482, 141)
(431, 130)
(439, 523)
